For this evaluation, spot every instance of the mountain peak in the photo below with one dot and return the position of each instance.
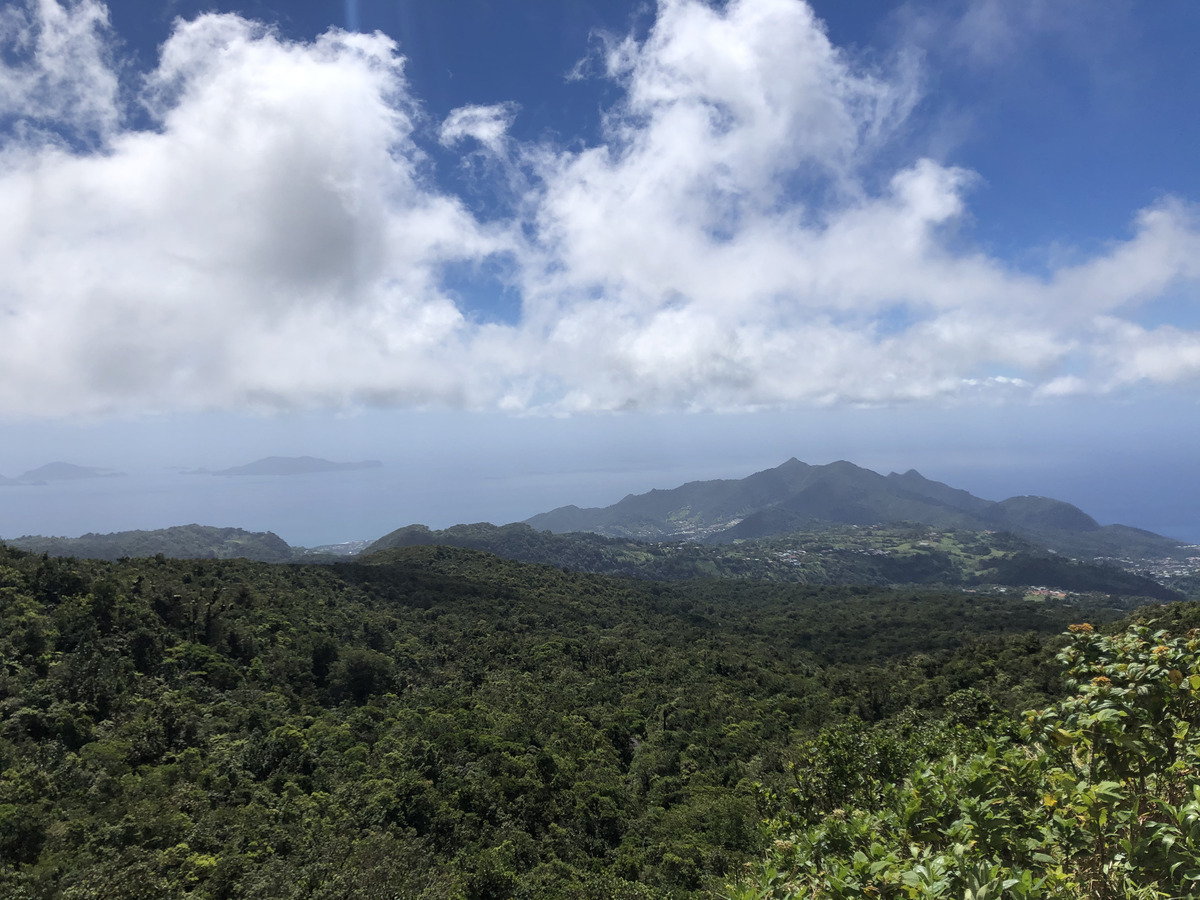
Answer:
(796, 496)
(1045, 513)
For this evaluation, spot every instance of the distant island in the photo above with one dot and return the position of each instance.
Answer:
(290, 465)
(61, 471)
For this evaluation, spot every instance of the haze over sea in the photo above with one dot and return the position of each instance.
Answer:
(442, 469)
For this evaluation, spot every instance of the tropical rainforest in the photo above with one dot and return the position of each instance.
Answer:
(880, 555)
(436, 722)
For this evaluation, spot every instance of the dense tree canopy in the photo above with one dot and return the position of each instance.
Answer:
(438, 722)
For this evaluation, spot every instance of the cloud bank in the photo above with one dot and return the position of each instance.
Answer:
(275, 236)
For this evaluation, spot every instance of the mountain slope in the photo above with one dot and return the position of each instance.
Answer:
(827, 555)
(796, 496)
(179, 542)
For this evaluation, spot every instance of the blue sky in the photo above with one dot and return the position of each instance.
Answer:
(541, 253)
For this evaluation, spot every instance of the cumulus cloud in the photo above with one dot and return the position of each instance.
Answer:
(720, 249)
(276, 238)
(486, 124)
(272, 240)
(58, 72)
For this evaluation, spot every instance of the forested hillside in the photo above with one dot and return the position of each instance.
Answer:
(441, 723)
(831, 554)
(179, 542)
(879, 555)
(798, 497)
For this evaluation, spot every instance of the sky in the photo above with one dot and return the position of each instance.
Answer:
(546, 253)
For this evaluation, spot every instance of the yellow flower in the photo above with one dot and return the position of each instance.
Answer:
(1082, 628)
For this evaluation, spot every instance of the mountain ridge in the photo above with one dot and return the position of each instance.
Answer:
(878, 556)
(796, 495)
(177, 542)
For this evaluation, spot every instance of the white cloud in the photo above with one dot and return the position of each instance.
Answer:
(273, 241)
(1132, 354)
(63, 79)
(277, 240)
(1164, 251)
(487, 124)
(720, 249)
(990, 37)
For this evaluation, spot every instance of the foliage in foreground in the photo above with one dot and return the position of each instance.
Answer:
(1097, 796)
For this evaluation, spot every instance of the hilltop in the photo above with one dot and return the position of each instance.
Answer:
(796, 496)
(178, 542)
(879, 556)
(833, 554)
